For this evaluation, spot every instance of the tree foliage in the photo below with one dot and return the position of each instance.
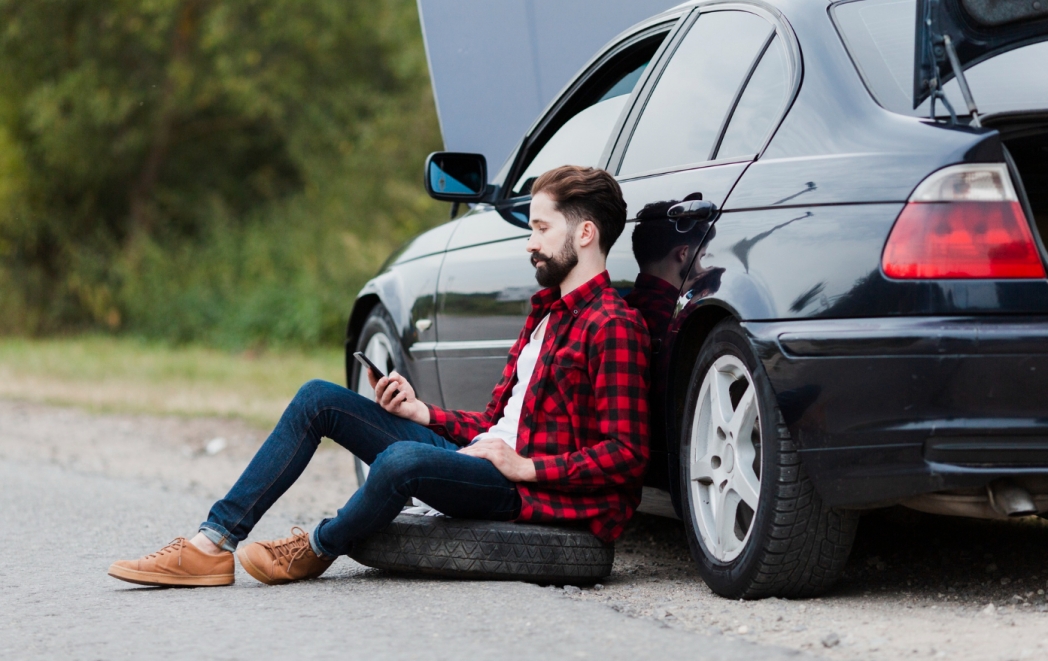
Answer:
(225, 170)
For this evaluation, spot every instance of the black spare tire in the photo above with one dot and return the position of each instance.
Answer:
(492, 550)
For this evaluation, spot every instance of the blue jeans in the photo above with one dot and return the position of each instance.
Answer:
(407, 460)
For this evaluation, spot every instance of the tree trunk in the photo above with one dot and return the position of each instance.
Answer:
(183, 38)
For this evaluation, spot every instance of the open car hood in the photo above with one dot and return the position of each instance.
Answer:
(495, 65)
(979, 29)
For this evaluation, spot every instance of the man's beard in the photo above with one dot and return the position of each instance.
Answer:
(556, 268)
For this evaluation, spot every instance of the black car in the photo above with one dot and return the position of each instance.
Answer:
(864, 321)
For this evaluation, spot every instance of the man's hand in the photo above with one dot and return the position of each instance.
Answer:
(513, 466)
(396, 395)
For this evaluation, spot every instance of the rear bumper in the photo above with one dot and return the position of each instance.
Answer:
(886, 409)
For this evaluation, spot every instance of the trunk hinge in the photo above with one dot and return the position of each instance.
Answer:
(942, 50)
(958, 71)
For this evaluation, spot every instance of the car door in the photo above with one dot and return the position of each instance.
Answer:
(487, 280)
(675, 143)
(705, 115)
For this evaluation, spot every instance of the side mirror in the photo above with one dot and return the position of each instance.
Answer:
(456, 177)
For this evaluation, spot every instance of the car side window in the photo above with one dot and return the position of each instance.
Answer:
(759, 106)
(684, 114)
(588, 119)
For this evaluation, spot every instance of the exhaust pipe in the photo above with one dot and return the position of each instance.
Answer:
(1009, 499)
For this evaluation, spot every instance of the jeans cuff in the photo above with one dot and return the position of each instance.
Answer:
(314, 541)
(219, 535)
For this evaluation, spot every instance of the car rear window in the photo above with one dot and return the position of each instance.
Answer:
(759, 106)
(880, 36)
(683, 116)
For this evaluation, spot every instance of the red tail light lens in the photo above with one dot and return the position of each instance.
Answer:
(963, 222)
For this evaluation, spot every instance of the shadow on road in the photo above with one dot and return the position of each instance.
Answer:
(897, 552)
(904, 551)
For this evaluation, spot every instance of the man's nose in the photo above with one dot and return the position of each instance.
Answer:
(533, 243)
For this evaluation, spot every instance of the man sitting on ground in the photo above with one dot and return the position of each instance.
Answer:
(564, 438)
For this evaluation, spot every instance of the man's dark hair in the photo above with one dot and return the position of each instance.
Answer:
(586, 194)
(654, 236)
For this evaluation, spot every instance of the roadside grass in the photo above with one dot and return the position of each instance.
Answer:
(127, 375)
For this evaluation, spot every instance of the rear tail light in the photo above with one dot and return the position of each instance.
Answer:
(964, 221)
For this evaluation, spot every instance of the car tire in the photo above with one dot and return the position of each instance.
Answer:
(378, 341)
(755, 524)
(489, 550)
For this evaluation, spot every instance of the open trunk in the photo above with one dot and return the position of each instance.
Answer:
(1026, 138)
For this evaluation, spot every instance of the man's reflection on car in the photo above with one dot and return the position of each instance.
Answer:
(703, 281)
(667, 261)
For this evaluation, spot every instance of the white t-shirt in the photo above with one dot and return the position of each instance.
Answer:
(506, 427)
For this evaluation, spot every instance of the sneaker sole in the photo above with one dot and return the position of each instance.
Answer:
(254, 571)
(162, 580)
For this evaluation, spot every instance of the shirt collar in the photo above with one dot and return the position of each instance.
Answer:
(578, 297)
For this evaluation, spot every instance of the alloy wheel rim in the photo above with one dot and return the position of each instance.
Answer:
(724, 459)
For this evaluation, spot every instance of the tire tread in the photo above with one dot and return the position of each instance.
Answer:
(809, 542)
(441, 546)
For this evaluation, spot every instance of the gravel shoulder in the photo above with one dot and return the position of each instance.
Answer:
(916, 585)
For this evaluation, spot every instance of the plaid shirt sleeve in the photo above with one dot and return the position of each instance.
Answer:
(618, 361)
(460, 427)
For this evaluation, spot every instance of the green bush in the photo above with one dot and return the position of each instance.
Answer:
(225, 171)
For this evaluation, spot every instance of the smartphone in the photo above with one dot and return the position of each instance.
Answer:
(366, 362)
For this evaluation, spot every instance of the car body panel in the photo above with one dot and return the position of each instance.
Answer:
(484, 297)
(714, 182)
(830, 178)
(431, 242)
(483, 224)
(866, 400)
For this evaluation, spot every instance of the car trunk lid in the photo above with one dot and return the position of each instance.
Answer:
(977, 30)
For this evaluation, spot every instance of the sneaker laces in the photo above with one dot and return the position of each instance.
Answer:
(292, 548)
(177, 544)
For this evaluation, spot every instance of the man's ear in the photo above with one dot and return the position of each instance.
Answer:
(681, 254)
(586, 233)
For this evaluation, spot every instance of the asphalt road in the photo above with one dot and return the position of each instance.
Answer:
(62, 528)
(80, 489)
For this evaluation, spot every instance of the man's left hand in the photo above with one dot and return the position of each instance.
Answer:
(513, 466)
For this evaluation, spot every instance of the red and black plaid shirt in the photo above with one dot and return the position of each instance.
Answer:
(584, 420)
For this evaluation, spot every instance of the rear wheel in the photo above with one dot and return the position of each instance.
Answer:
(378, 342)
(756, 526)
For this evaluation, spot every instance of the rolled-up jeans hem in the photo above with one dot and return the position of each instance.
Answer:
(219, 535)
(314, 541)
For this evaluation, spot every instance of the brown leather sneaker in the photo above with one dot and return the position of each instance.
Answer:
(283, 560)
(179, 564)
